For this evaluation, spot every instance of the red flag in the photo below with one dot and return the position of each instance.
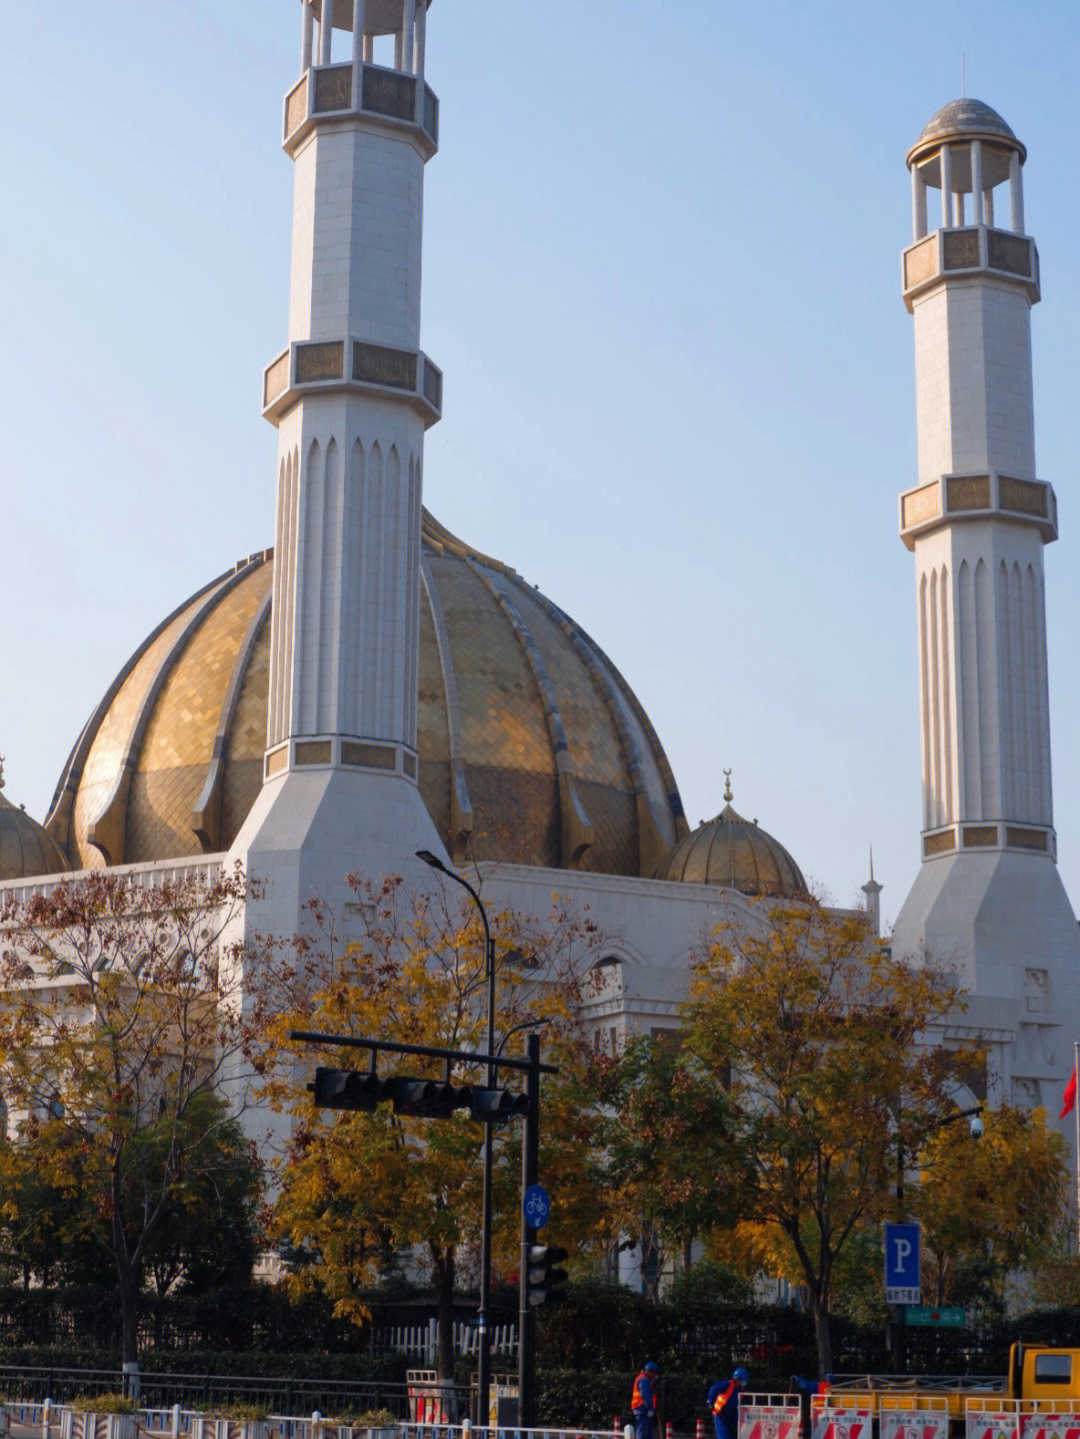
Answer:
(1068, 1099)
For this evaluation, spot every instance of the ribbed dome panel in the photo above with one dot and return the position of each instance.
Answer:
(532, 747)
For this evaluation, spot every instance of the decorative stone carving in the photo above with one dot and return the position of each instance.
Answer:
(922, 504)
(386, 92)
(1023, 496)
(968, 492)
(323, 361)
(333, 89)
(960, 249)
(381, 365)
(1008, 252)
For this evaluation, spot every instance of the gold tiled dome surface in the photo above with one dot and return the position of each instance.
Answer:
(26, 848)
(532, 747)
(734, 853)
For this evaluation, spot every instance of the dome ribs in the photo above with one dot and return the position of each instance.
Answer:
(461, 810)
(576, 831)
(735, 853)
(107, 831)
(653, 844)
(206, 816)
(58, 820)
(527, 740)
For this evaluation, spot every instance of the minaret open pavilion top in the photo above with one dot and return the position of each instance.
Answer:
(967, 152)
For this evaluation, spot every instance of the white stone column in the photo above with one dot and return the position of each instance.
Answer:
(918, 203)
(397, 51)
(946, 188)
(958, 208)
(308, 36)
(369, 49)
(358, 14)
(421, 38)
(408, 26)
(1016, 193)
(989, 199)
(976, 182)
(326, 31)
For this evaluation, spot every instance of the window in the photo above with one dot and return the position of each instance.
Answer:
(1053, 1369)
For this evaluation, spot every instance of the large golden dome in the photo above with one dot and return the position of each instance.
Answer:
(533, 749)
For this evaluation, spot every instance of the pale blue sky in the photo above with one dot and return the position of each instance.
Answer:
(662, 277)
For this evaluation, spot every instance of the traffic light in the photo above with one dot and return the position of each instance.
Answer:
(419, 1098)
(416, 1098)
(542, 1279)
(348, 1089)
(497, 1104)
(428, 1098)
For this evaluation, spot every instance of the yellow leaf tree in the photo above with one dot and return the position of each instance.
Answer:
(358, 1187)
(988, 1207)
(823, 1036)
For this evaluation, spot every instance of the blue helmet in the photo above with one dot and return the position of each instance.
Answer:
(741, 1375)
(651, 1368)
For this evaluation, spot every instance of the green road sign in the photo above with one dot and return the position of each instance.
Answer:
(948, 1318)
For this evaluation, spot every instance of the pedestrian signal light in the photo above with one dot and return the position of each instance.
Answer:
(542, 1279)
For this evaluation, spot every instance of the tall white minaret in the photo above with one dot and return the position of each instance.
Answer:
(351, 396)
(988, 898)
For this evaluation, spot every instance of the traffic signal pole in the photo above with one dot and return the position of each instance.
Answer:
(530, 1168)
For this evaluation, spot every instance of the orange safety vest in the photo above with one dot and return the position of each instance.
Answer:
(722, 1399)
(637, 1399)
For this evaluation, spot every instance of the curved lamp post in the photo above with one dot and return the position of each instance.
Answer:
(483, 1355)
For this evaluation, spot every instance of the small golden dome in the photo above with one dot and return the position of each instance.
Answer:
(27, 850)
(532, 747)
(735, 853)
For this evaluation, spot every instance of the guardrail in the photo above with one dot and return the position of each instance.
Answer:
(46, 1419)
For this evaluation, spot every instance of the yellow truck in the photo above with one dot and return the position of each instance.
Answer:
(1043, 1380)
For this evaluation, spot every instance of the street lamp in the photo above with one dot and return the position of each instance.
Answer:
(483, 1354)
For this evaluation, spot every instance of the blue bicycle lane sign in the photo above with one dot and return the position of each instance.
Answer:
(537, 1206)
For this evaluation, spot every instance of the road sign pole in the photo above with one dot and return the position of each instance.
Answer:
(530, 1165)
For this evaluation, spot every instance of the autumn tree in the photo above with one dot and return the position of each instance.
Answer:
(988, 1207)
(120, 1015)
(664, 1168)
(823, 1035)
(356, 1188)
(48, 1212)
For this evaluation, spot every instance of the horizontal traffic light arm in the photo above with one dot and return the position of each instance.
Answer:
(387, 1046)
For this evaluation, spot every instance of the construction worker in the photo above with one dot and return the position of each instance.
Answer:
(643, 1402)
(811, 1386)
(723, 1402)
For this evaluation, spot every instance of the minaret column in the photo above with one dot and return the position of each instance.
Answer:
(352, 396)
(979, 517)
(987, 901)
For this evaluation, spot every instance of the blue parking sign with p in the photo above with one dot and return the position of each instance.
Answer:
(902, 1283)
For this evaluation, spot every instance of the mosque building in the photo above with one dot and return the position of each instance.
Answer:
(373, 686)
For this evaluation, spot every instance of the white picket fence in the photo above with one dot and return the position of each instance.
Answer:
(421, 1341)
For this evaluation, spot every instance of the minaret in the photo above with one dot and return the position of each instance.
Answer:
(351, 396)
(988, 899)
